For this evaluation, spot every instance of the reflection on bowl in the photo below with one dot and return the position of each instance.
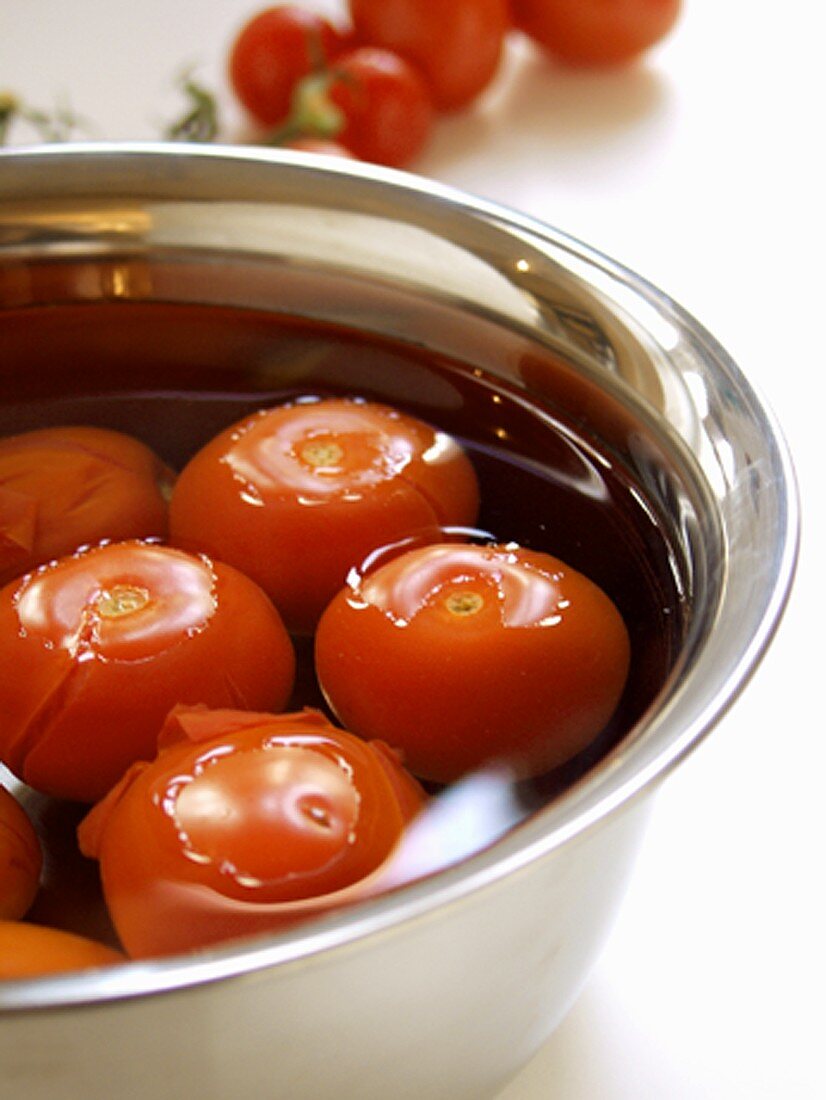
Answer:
(168, 292)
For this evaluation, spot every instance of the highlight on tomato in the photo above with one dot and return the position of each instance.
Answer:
(596, 32)
(98, 647)
(63, 488)
(244, 823)
(21, 858)
(457, 46)
(297, 495)
(32, 950)
(273, 51)
(462, 654)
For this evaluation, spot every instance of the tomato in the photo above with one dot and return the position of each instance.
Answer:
(30, 950)
(63, 488)
(21, 858)
(297, 495)
(243, 823)
(596, 32)
(272, 52)
(459, 654)
(388, 113)
(457, 46)
(97, 647)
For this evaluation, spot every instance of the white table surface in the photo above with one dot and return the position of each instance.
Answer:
(702, 170)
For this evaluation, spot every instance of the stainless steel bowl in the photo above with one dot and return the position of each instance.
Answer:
(446, 987)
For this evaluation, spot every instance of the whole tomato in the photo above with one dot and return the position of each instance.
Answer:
(386, 107)
(271, 54)
(596, 32)
(459, 654)
(63, 488)
(21, 858)
(244, 823)
(97, 647)
(30, 950)
(457, 45)
(297, 495)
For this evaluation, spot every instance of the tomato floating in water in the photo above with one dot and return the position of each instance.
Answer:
(63, 488)
(596, 32)
(244, 823)
(97, 647)
(31, 950)
(21, 858)
(460, 654)
(296, 496)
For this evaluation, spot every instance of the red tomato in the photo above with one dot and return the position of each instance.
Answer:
(457, 46)
(460, 654)
(295, 496)
(596, 32)
(63, 488)
(243, 823)
(29, 950)
(21, 859)
(272, 53)
(96, 648)
(388, 113)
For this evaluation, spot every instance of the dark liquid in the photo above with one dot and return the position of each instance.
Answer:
(175, 375)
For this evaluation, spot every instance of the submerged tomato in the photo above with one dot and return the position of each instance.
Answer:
(96, 649)
(460, 654)
(63, 488)
(596, 32)
(21, 858)
(297, 495)
(456, 45)
(243, 823)
(29, 950)
(271, 54)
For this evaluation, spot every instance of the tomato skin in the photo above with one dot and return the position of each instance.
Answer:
(596, 32)
(272, 52)
(62, 488)
(387, 107)
(252, 498)
(30, 950)
(94, 676)
(505, 653)
(21, 859)
(244, 823)
(457, 46)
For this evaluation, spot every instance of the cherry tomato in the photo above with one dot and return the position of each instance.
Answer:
(29, 950)
(596, 32)
(459, 654)
(388, 113)
(97, 647)
(295, 496)
(243, 823)
(457, 46)
(63, 488)
(273, 51)
(21, 858)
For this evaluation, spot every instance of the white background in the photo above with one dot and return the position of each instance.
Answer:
(702, 169)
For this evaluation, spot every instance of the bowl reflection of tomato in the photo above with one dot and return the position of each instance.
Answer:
(103, 643)
(63, 488)
(21, 858)
(296, 496)
(31, 950)
(243, 823)
(459, 654)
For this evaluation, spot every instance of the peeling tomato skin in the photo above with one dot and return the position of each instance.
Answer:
(92, 692)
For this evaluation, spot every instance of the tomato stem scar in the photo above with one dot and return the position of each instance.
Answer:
(120, 600)
(464, 603)
(322, 453)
